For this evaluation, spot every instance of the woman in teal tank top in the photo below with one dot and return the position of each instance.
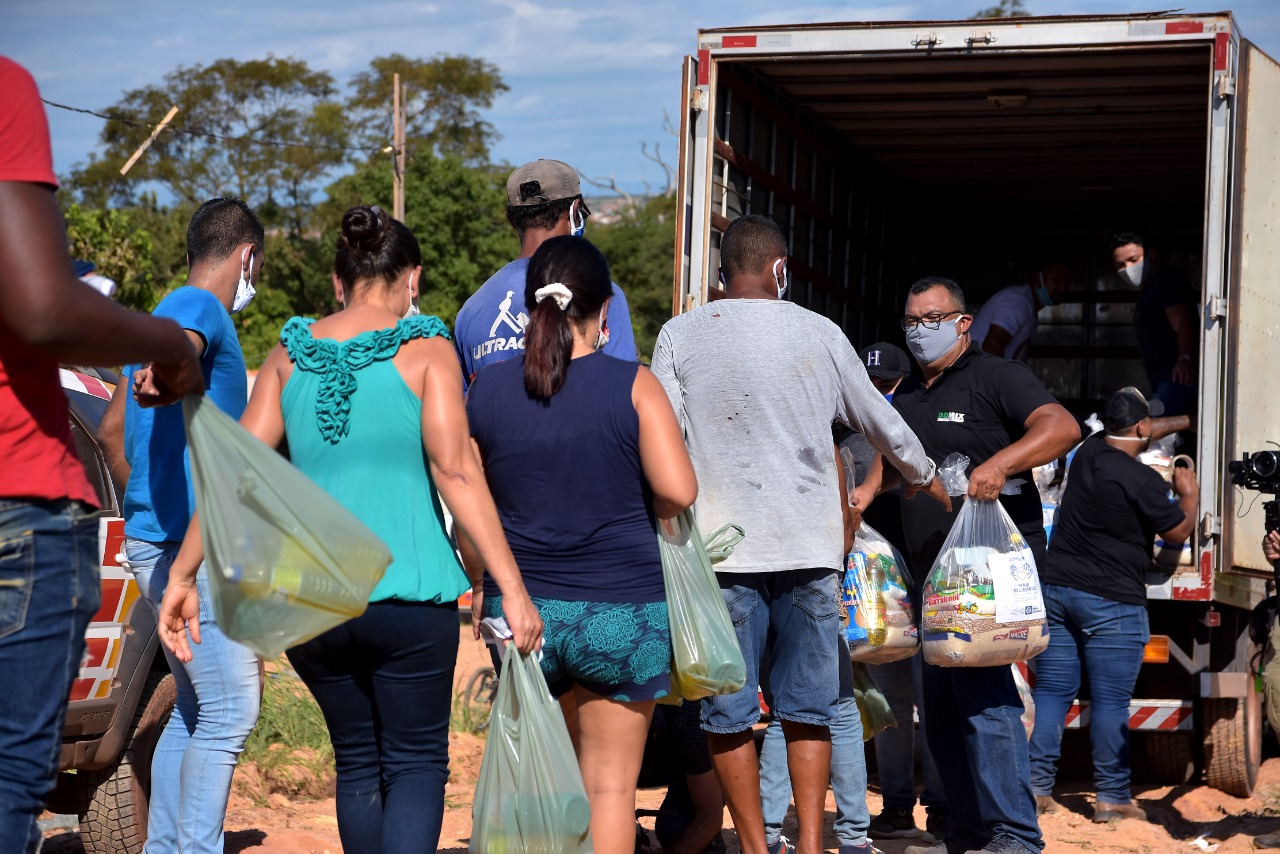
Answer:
(370, 401)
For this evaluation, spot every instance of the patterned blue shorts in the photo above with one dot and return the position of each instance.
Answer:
(621, 652)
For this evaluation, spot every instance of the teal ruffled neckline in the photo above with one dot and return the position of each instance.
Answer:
(338, 361)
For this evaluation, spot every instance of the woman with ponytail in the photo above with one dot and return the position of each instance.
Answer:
(582, 452)
(370, 401)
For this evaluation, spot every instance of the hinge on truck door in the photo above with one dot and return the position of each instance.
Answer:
(927, 40)
(1226, 86)
(1216, 307)
(985, 38)
(1210, 527)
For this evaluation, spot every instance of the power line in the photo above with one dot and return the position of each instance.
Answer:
(218, 136)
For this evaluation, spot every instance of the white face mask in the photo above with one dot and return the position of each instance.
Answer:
(413, 302)
(1133, 273)
(577, 220)
(602, 337)
(244, 289)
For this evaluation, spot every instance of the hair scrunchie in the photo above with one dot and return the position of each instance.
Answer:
(557, 291)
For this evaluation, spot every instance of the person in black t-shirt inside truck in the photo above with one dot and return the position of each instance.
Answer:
(1095, 595)
(1165, 320)
(999, 415)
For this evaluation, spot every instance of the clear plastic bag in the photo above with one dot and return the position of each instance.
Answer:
(982, 601)
(530, 798)
(286, 561)
(877, 595)
(708, 660)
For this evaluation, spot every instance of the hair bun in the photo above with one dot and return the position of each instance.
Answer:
(364, 228)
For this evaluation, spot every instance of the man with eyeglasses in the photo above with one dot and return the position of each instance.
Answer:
(999, 415)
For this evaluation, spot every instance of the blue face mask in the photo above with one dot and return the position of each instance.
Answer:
(889, 397)
(1042, 294)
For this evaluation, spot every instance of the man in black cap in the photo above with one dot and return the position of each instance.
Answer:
(544, 200)
(1095, 595)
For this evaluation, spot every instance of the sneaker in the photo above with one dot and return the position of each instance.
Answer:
(1267, 840)
(935, 848)
(1105, 812)
(894, 824)
(1046, 803)
(1001, 843)
(864, 848)
(782, 846)
(937, 826)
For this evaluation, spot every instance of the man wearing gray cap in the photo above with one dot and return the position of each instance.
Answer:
(544, 200)
(1095, 595)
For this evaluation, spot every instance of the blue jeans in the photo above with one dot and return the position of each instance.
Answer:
(848, 769)
(791, 620)
(1178, 399)
(1107, 637)
(900, 682)
(49, 590)
(975, 732)
(217, 707)
(384, 682)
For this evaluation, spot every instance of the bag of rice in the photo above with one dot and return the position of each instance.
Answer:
(982, 602)
(882, 626)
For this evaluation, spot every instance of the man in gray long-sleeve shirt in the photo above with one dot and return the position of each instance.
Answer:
(757, 383)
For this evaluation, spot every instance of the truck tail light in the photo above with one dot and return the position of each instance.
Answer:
(1157, 650)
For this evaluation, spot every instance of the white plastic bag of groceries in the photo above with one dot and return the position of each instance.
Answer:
(286, 561)
(877, 595)
(982, 602)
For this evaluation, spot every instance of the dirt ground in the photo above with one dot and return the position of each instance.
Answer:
(1179, 815)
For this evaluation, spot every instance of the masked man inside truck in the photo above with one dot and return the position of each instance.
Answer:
(998, 414)
(1165, 319)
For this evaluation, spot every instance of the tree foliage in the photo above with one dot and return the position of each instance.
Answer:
(1004, 9)
(640, 248)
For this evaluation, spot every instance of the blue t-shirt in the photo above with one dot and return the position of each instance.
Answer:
(566, 477)
(159, 499)
(490, 326)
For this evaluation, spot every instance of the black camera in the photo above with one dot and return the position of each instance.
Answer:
(1261, 473)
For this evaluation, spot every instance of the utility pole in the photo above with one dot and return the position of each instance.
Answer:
(398, 110)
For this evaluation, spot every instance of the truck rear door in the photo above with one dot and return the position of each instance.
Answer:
(1253, 311)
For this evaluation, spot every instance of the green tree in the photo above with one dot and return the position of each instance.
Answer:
(640, 248)
(131, 246)
(217, 143)
(444, 96)
(1004, 9)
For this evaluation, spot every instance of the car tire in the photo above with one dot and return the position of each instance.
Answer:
(113, 816)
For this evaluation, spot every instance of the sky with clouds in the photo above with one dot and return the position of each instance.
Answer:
(590, 79)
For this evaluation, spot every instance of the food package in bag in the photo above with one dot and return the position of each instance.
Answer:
(530, 798)
(982, 602)
(286, 561)
(877, 596)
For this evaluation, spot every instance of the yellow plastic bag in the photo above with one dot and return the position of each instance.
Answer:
(707, 658)
(286, 561)
(873, 706)
(530, 796)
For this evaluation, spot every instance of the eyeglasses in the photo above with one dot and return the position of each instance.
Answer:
(929, 321)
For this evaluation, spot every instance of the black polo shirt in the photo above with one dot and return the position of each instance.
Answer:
(1111, 511)
(977, 407)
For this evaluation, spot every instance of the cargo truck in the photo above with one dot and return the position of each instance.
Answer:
(889, 151)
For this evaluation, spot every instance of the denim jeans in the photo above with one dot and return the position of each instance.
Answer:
(1107, 637)
(791, 619)
(900, 682)
(384, 682)
(217, 707)
(980, 745)
(848, 768)
(1178, 399)
(49, 590)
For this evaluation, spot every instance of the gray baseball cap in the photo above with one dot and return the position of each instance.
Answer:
(542, 181)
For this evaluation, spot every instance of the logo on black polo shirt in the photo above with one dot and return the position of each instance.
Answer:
(952, 417)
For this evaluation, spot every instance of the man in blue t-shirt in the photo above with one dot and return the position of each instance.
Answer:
(544, 200)
(218, 692)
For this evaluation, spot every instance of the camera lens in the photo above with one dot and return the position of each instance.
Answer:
(1235, 467)
(1266, 463)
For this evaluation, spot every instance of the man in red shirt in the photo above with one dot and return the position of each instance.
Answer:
(49, 587)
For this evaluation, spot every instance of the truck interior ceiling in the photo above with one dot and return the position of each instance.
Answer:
(882, 169)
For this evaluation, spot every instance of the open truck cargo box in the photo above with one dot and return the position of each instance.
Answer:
(978, 149)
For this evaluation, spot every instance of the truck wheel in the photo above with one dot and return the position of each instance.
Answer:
(1166, 758)
(1233, 742)
(114, 816)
